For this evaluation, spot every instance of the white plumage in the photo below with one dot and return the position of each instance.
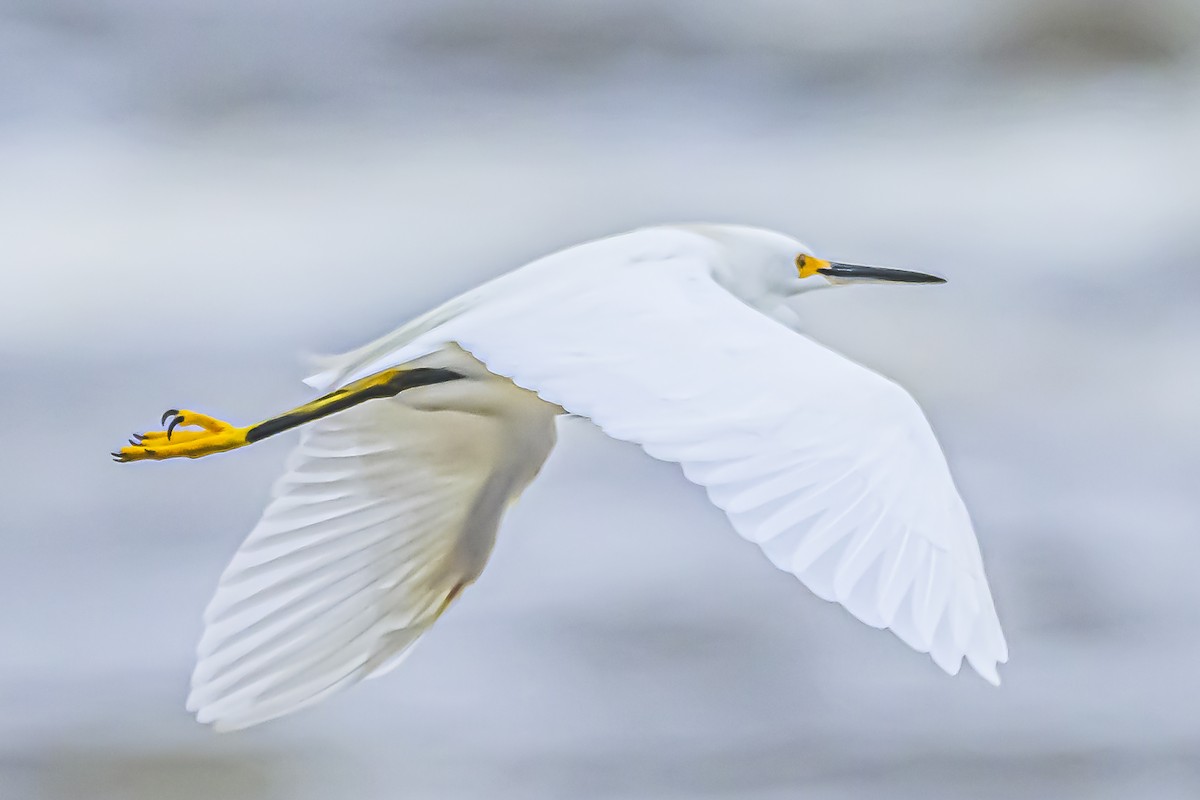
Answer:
(676, 338)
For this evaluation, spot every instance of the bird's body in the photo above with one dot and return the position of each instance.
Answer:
(676, 338)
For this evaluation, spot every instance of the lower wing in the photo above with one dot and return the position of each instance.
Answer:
(368, 539)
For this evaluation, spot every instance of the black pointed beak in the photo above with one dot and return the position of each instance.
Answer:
(855, 272)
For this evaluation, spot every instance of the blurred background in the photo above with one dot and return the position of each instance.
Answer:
(193, 195)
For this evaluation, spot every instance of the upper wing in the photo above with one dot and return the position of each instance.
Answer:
(829, 467)
(369, 537)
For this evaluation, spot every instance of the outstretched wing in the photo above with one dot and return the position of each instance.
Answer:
(369, 537)
(830, 468)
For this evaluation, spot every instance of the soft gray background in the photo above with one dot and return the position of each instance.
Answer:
(193, 194)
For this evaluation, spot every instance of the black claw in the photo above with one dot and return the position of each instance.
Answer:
(135, 444)
(170, 412)
(139, 437)
(171, 427)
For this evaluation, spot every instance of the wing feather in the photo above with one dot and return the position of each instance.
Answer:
(830, 467)
(369, 536)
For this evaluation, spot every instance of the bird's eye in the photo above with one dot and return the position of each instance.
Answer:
(805, 266)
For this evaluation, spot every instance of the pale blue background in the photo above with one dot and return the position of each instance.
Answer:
(191, 195)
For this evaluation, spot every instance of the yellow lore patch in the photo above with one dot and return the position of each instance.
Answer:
(808, 265)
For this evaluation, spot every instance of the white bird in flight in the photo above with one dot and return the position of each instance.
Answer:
(679, 338)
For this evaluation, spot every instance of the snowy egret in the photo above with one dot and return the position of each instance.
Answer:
(679, 338)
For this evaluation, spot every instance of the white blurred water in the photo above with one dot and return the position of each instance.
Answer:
(192, 197)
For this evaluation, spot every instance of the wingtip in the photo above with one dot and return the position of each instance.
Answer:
(986, 669)
(222, 726)
(951, 664)
(218, 721)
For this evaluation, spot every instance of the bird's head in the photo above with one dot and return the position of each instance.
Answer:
(762, 265)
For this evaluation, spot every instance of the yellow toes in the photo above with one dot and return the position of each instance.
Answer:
(197, 420)
(150, 438)
(215, 436)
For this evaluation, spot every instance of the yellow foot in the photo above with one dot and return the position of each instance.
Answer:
(214, 436)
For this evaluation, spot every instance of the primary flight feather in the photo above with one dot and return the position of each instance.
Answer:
(678, 338)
